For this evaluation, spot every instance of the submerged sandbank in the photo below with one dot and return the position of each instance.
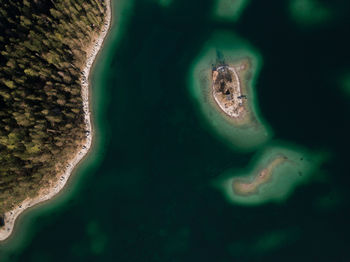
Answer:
(56, 186)
(243, 187)
(225, 49)
(310, 12)
(229, 10)
(272, 175)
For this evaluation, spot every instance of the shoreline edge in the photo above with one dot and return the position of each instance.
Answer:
(47, 193)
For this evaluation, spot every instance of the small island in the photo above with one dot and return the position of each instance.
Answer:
(221, 83)
(229, 91)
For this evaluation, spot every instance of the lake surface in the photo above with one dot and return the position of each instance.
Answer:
(144, 192)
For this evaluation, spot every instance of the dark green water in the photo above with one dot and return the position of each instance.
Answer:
(144, 194)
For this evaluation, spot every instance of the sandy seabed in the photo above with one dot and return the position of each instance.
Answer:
(49, 192)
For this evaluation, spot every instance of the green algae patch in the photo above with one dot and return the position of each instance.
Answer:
(243, 130)
(272, 176)
(229, 10)
(309, 12)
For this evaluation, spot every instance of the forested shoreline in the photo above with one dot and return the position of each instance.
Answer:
(43, 48)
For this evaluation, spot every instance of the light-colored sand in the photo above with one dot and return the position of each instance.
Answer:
(264, 176)
(236, 106)
(231, 104)
(50, 191)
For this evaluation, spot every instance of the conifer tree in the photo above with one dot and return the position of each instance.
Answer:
(42, 50)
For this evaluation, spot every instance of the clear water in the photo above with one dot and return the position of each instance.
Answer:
(144, 193)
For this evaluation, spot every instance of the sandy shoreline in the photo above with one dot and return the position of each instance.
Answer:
(48, 193)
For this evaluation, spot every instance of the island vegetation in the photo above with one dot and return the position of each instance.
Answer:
(43, 49)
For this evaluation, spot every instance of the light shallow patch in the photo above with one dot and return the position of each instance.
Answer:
(229, 10)
(263, 243)
(344, 82)
(165, 3)
(226, 48)
(309, 12)
(297, 167)
(98, 239)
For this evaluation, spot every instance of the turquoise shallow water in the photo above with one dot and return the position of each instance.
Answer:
(145, 194)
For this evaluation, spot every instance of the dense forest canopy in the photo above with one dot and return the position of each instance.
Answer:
(43, 45)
